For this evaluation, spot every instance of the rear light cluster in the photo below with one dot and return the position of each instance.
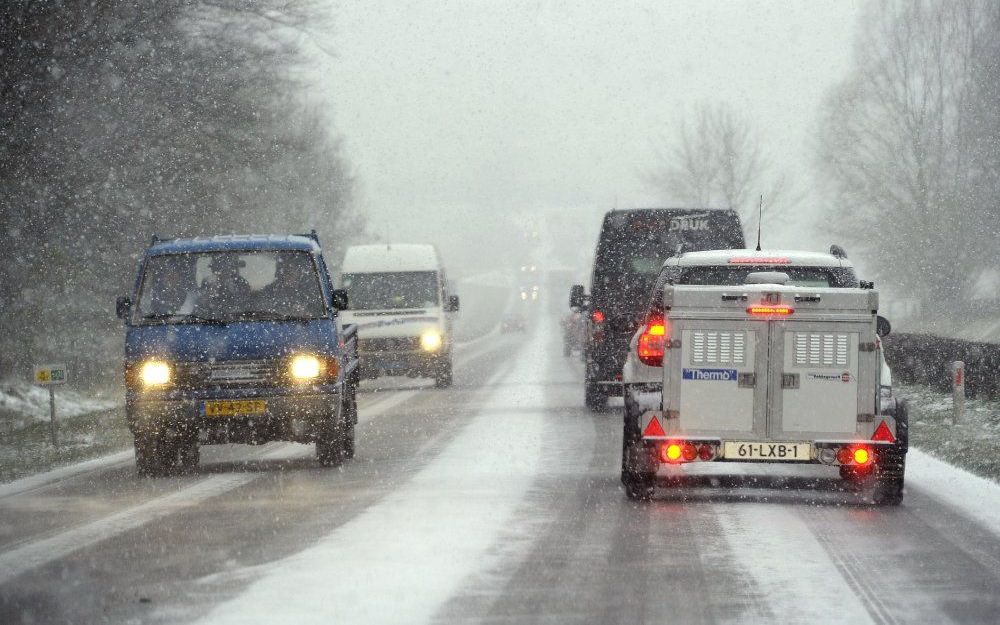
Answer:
(676, 452)
(848, 455)
(653, 342)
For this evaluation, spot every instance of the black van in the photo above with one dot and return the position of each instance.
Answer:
(630, 251)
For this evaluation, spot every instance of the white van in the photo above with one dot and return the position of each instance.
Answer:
(398, 299)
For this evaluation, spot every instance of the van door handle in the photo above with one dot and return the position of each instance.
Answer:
(790, 380)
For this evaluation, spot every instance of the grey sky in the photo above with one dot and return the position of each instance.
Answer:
(487, 108)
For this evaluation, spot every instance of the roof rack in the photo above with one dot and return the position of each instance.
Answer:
(312, 235)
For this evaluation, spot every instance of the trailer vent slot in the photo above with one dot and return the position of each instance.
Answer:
(816, 349)
(710, 347)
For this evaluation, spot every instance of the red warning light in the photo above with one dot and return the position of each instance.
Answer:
(653, 428)
(759, 260)
(597, 316)
(883, 434)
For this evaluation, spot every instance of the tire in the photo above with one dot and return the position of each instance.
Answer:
(594, 397)
(350, 422)
(443, 373)
(147, 457)
(188, 455)
(890, 469)
(638, 472)
(330, 450)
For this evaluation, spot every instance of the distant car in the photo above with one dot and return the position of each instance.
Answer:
(513, 323)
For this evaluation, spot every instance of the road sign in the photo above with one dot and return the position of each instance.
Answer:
(49, 375)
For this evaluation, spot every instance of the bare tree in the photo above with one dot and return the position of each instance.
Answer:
(895, 144)
(717, 161)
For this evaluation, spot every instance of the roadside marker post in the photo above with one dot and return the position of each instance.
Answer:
(957, 391)
(50, 376)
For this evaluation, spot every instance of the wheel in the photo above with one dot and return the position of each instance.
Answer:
(330, 450)
(638, 470)
(147, 458)
(594, 397)
(154, 457)
(442, 373)
(188, 455)
(890, 467)
(350, 422)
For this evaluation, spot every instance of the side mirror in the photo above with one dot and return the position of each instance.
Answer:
(882, 326)
(123, 306)
(452, 304)
(339, 299)
(576, 296)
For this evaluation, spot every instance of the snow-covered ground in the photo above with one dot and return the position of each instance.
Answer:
(24, 403)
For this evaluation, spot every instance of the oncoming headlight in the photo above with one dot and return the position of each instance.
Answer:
(154, 373)
(430, 341)
(305, 367)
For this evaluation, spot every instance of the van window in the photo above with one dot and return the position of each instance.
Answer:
(228, 286)
(392, 290)
(728, 275)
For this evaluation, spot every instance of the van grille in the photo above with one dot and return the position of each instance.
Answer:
(815, 349)
(718, 348)
(231, 373)
(389, 344)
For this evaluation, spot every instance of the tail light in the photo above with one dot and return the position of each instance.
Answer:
(769, 310)
(862, 455)
(597, 316)
(706, 452)
(689, 451)
(652, 342)
(671, 452)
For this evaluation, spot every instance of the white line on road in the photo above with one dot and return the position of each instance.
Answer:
(402, 558)
(37, 553)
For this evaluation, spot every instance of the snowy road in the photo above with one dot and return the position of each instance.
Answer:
(495, 501)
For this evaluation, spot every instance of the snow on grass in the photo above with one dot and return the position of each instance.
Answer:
(976, 496)
(971, 444)
(401, 559)
(29, 402)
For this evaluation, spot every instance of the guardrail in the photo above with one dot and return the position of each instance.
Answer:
(927, 359)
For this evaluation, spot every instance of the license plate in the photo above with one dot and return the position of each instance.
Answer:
(776, 452)
(233, 408)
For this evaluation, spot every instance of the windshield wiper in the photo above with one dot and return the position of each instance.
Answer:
(182, 318)
(267, 315)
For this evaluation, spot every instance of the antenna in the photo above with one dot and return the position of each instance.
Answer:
(760, 218)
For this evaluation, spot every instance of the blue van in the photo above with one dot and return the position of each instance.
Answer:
(235, 339)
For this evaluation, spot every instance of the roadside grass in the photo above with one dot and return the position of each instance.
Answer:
(27, 450)
(971, 444)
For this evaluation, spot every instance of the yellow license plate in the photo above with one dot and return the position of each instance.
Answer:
(233, 408)
(762, 450)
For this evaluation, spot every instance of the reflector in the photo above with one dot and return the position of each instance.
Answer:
(883, 433)
(653, 428)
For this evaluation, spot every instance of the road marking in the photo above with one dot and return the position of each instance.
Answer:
(796, 576)
(41, 480)
(419, 543)
(40, 552)
(30, 555)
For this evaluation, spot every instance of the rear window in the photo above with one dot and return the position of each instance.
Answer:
(633, 246)
(728, 275)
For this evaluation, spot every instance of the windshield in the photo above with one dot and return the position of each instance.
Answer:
(726, 275)
(392, 290)
(228, 286)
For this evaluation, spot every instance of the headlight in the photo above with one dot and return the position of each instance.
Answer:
(305, 367)
(431, 341)
(154, 373)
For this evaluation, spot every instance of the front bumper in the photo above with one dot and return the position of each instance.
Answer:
(408, 363)
(297, 417)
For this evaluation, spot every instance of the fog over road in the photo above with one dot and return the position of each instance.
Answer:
(494, 501)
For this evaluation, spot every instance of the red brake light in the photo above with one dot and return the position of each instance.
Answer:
(759, 260)
(770, 310)
(652, 343)
(690, 452)
(597, 316)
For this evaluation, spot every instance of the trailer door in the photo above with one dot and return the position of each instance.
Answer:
(815, 381)
(719, 387)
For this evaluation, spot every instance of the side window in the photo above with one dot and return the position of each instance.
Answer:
(668, 275)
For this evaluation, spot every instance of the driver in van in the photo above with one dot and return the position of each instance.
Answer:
(225, 290)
